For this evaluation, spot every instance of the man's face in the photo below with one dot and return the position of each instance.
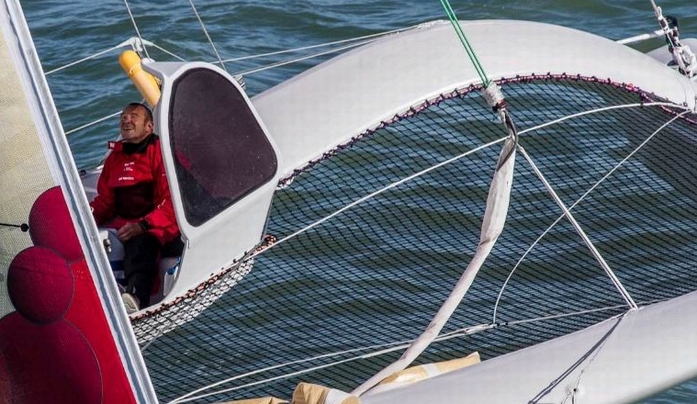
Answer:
(135, 125)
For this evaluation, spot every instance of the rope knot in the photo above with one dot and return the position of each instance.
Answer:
(494, 97)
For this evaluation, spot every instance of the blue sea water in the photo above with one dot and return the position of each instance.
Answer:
(68, 31)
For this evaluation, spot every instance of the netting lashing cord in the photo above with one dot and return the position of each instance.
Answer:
(682, 54)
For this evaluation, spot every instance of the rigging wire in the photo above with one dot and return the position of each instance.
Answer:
(113, 48)
(135, 26)
(205, 31)
(300, 59)
(131, 42)
(376, 350)
(567, 213)
(90, 124)
(360, 39)
(198, 17)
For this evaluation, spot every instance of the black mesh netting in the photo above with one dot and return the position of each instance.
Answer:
(375, 274)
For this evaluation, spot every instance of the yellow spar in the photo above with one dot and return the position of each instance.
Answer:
(144, 81)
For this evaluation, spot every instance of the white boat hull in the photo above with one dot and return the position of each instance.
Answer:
(618, 361)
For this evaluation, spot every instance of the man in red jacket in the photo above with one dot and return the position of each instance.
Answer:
(133, 197)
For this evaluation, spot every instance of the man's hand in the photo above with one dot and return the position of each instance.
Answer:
(129, 230)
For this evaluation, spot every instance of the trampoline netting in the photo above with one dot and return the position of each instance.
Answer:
(406, 201)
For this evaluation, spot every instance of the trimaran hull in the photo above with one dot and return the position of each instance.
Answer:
(622, 359)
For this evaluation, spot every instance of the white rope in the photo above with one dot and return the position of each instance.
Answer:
(381, 349)
(493, 95)
(593, 111)
(168, 52)
(378, 192)
(137, 44)
(352, 43)
(561, 315)
(591, 189)
(378, 350)
(395, 346)
(615, 280)
(567, 213)
(259, 382)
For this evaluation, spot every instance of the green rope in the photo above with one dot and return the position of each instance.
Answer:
(463, 39)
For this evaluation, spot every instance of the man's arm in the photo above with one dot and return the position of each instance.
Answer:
(103, 204)
(162, 217)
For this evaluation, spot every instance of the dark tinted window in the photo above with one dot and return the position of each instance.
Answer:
(221, 153)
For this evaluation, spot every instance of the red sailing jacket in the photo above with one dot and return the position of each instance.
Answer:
(132, 187)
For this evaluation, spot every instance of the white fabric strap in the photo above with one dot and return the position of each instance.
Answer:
(335, 396)
(492, 225)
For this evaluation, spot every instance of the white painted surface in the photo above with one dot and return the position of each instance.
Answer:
(330, 103)
(649, 350)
